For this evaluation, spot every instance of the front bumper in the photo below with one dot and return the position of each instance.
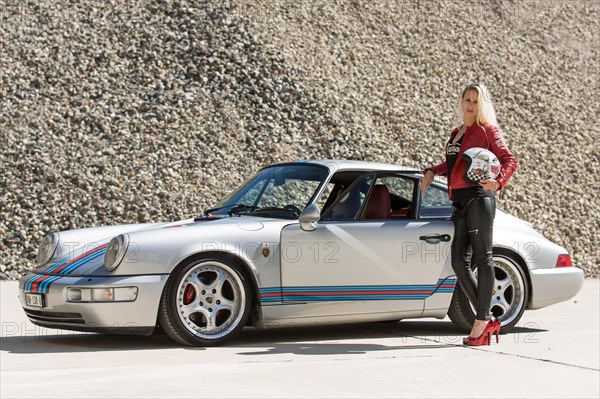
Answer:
(135, 317)
(552, 286)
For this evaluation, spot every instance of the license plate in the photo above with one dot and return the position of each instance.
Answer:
(35, 300)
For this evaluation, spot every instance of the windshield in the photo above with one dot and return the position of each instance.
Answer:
(280, 191)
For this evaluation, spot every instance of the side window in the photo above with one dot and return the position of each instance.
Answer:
(349, 202)
(435, 204)
(389, 197)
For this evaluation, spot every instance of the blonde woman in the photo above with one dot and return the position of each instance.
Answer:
(474, 206)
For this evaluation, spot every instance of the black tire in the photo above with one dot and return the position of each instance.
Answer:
(158, 331)
(509, 299)
(206, 302)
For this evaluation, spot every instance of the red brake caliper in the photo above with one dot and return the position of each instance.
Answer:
(189, 294)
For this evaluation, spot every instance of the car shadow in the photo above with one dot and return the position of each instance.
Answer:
(331, 340)
(325, 339)
(72, 342)
(307, 340)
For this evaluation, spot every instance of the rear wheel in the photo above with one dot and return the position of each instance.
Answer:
(205, 303)
(509, 298)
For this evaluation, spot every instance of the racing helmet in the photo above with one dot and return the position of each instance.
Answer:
(482, 164)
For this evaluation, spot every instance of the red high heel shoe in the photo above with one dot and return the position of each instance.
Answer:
(491, 327)
(483, 339)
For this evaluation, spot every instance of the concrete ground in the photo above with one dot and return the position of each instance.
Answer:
(553, 352)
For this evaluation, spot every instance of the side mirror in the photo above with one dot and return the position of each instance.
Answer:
(309, 216)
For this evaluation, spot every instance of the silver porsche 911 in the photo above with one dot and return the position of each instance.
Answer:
(300, 243)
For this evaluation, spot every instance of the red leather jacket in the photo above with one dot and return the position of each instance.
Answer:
(486, 136)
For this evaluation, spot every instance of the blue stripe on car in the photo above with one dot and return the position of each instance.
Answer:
(356, 292)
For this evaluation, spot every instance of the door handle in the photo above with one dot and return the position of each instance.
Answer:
(435, 238)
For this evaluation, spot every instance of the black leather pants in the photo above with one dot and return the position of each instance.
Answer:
(473, 226)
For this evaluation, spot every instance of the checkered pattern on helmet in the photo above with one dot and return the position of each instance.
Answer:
(476, 175)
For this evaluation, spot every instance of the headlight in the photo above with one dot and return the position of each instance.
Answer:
(115, 252)
(47, 249)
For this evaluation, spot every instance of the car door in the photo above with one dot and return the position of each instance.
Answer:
(367, 254)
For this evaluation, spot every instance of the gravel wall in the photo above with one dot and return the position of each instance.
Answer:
(118, 112)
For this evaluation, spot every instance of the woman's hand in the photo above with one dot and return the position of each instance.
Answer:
(491, 184)
(427, 180)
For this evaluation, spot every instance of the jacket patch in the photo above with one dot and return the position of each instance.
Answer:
(500, 142)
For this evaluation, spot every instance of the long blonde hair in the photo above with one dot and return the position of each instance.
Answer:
(485, 105)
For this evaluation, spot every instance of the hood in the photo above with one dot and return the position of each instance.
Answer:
(81, 251)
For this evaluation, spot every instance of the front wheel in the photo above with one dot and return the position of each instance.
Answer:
(509, 297)
(205, 303)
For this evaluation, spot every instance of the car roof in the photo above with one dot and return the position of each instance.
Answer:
(336, 165)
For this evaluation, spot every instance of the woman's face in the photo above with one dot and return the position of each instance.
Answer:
(469, 104)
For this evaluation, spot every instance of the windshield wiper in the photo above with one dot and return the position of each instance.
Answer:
(295, 212)
(239, 208)
(235, 209)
